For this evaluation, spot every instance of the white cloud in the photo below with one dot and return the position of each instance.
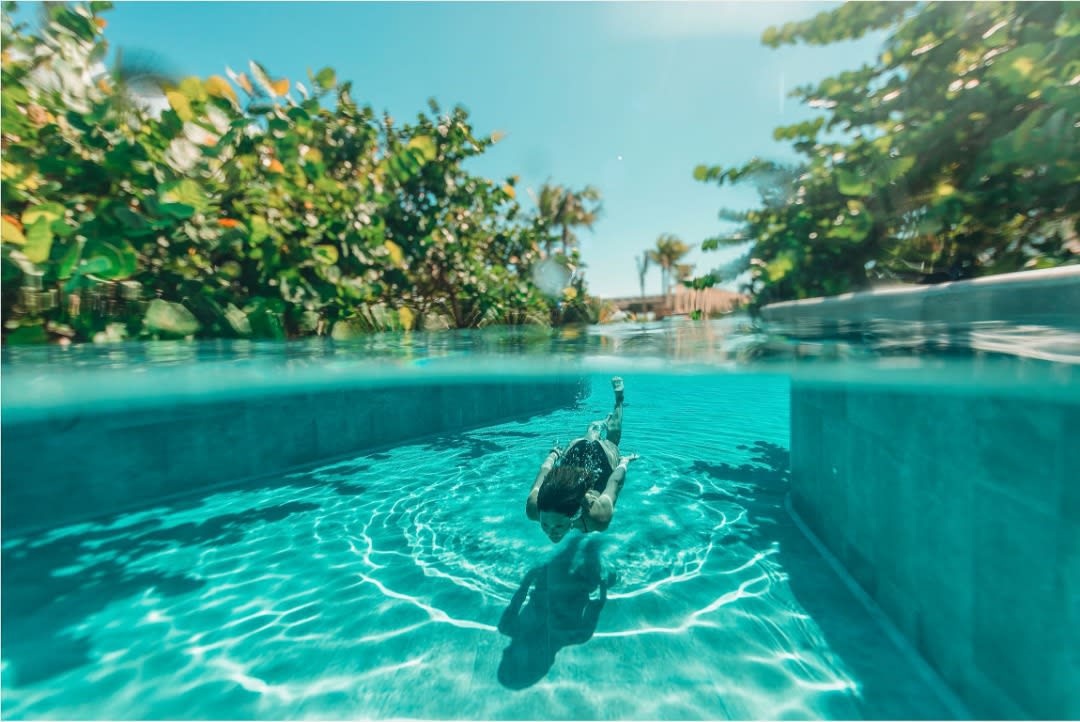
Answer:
(703, 19)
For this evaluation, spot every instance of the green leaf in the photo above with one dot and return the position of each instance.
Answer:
(238, 320)
(111, 260)
(325, 253)
(264, 316)
(89, 267)
(178, 210)
(278, 126)
(701, 172)
(326, 78)
(170, 318)
(407, 164)
(61, 229)
(128, 218)
(50, 211)
(426, 145)
(1068, 25)
(298, 114)
(396, 254)
(260, 229)
(900, 166)
(1018, 68)
(856, 224)
(27, 335)
(39, 238)
(230, 270)
(77, 20)
(184, 192)
(850, 183)
(66, 265)
(780, 267)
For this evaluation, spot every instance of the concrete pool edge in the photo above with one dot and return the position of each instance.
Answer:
(948, 698)
(1027, 296)
(91, 466)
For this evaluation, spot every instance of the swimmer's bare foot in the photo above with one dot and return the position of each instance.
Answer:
(617, 387)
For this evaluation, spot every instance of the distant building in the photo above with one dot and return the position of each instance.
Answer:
(682, 301)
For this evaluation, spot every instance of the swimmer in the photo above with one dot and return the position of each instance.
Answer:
(577, 487)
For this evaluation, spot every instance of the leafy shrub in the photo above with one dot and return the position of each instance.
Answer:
(251, 206)
(954, 155)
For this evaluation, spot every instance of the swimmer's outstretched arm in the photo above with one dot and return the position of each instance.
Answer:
(602, 507)
(530, 506)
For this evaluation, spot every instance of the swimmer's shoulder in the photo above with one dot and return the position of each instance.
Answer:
(598, 512)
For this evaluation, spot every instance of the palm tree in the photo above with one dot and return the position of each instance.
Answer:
(683, 271)
(668, 252)
(561, 207)
(642, 269)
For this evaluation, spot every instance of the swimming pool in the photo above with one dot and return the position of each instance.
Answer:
(406, 582)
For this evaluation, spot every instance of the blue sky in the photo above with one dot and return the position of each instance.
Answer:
(628, 97)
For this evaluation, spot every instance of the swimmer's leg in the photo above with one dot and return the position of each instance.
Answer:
(596, 428)
(614, 419)
(612, 425)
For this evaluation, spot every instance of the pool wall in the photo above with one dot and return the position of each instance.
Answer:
(960, 516)
(78, 464)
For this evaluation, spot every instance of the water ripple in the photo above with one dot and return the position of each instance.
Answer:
(410, 585)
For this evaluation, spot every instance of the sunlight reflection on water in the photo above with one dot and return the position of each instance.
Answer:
(408, 583)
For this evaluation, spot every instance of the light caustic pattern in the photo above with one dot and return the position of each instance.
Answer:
(409, 583)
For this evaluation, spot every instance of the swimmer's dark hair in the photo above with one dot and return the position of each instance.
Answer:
(563, 490)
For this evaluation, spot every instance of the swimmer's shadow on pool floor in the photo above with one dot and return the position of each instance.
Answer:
(562, 609)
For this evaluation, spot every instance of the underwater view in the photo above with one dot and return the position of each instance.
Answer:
(408, 581)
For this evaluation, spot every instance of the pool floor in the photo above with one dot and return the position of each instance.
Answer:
(409, 583)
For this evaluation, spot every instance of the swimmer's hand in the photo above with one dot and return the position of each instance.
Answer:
(552, 457)
(624, 461)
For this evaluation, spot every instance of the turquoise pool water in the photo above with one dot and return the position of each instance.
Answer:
(406, 582)
(391, 585)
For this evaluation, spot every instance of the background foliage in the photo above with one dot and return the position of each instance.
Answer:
(954, 155)
(252, 206)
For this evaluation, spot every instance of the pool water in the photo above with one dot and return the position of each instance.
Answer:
(408, 583)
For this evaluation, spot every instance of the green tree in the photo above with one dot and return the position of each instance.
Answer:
(252, 206)
(955, 154)
(668, 252)
(642, 269)
(565, 209)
